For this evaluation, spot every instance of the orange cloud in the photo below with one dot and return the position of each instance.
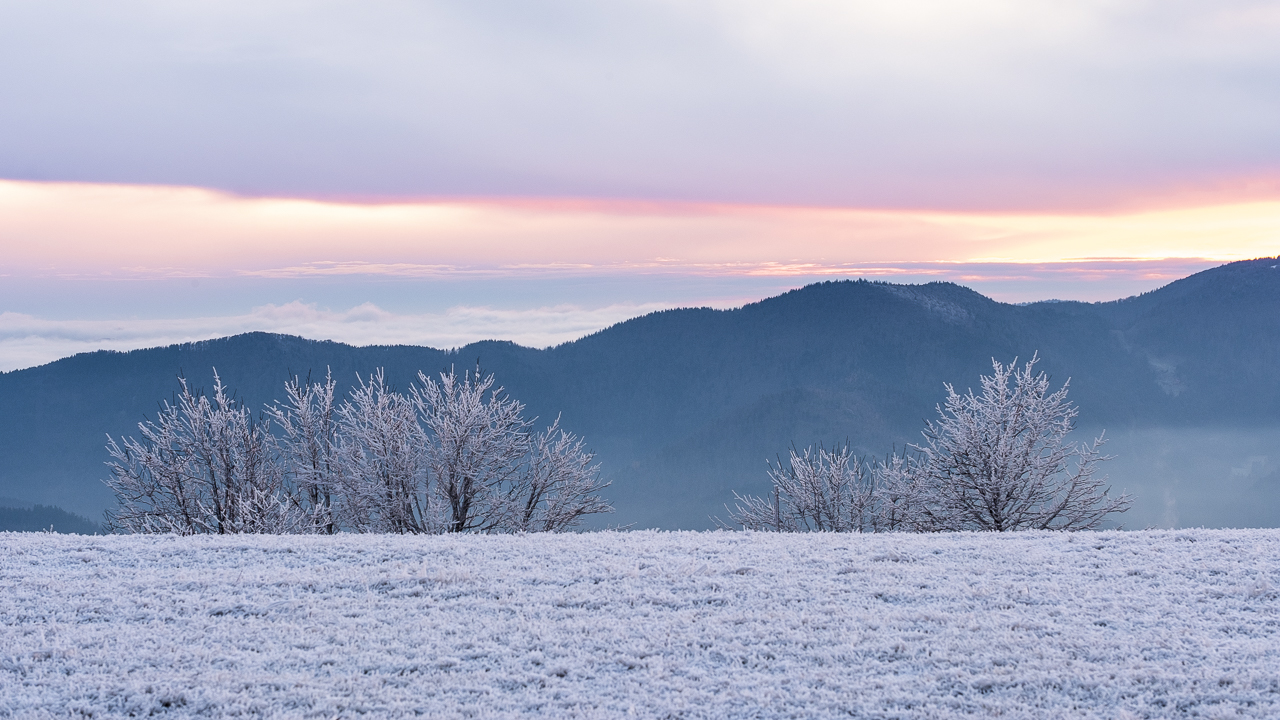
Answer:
(122, 230)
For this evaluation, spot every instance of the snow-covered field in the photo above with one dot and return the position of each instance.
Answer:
(1116, 624)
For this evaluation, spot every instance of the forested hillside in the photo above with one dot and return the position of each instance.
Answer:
(684, 406)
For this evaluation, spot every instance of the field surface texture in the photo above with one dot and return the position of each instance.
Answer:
(1153, 624)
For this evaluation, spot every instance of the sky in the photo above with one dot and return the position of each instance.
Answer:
(442, 172)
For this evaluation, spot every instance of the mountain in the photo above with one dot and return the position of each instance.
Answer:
(683, 406)
(41, 518)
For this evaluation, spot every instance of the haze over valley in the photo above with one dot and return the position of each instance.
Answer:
(685, 406)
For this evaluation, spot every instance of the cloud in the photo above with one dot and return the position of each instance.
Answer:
(27, 340)
(985, 105)
(68, 229)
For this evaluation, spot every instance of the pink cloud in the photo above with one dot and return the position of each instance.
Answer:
(119, 230)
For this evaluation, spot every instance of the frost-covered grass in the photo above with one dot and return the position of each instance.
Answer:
(1114, 624)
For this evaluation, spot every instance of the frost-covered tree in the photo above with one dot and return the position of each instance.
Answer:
(203, 466)
(478, 440)
(384, 460)
(309, 447)
(901, 496)
(490, 472)
(816, 490)
(558, 486)
(451, 456)
(1000, 459)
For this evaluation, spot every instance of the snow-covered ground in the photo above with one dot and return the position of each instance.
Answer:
(736, 625)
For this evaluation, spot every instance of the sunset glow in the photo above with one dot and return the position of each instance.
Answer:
(59, 229)
(449, 171)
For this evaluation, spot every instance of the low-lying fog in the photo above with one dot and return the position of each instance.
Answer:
(1224, 477)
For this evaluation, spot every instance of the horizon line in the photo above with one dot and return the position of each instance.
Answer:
(461, 347)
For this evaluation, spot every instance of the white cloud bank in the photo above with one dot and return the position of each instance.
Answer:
(983, 104)
(27, 340)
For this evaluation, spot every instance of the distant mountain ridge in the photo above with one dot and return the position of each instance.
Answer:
(683, 405)
(40, 518)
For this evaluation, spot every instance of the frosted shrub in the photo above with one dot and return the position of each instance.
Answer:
(823, 490)
(476, 447)
(204, 466)
(308, 447)
(382, 451)
(818, 489)
(453, 455)
(560, 484)
(999, 460)
(492, 473)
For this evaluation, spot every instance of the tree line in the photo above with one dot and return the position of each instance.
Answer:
(453, 454)
(998, 460)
